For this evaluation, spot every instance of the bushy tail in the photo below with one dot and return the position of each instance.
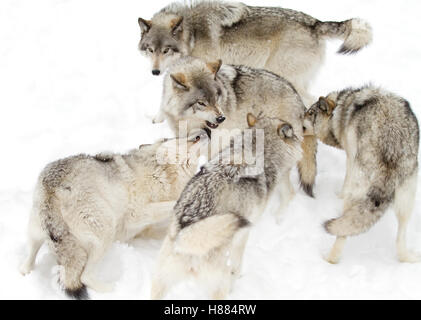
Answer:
(356, 34)
(307, 167)
(360, 215)
(71, 256)
(209, 233)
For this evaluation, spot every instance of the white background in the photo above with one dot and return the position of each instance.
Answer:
(72, 81)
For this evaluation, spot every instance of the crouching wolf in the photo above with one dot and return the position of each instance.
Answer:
(380, 135)
(84, 203)
(217, 97)
(209, 230)
(284, 41)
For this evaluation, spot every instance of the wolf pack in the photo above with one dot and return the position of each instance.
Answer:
(235, 92)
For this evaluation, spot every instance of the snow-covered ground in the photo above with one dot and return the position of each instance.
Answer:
(72, 81)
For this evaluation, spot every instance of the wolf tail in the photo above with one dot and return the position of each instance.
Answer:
(356, 34)
(209, 233)
(70, 254)
(360, 215)
(307, 167)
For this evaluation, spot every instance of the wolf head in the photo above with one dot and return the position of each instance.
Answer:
(181, 151)
(272, 127)
(162, 41)
(193, 92)
(282, 145)
(316, 119)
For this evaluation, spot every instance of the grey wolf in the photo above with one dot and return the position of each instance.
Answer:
(209, 229)
(84, 203)
(217, 97)
(286, 42)
(380, 135)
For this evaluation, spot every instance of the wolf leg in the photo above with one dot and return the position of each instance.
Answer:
(221, 287)
(218, 267)
(403, 205)
(238, 247)
(307, 167)
(159, 118)
(163, 280)
(169, 270)
(286, 194)
(35, 241)
(87, 278)
(352, 169)
(336, 251)
(347, 183)
(341, 194)
(221, 292)
(159, 289)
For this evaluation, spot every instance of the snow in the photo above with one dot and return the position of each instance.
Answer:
(72, 81)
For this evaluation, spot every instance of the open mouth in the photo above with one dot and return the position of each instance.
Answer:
(211, 125)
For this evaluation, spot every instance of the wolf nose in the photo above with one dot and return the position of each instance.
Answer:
(220, 119)
(156, 72)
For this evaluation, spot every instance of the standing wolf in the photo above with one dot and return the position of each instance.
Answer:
(84, 203)
(218, 97)
(284, 41)
(209, 230)
(380, 135)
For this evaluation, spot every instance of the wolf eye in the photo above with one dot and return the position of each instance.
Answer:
(150, 49)
(166, 50)
(200, 103)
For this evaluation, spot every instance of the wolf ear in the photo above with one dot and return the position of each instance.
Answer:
(251, 120)
(144, 25)
(179, 81)
(285, 130)
(326, 105)
(144, 145)
(214, 66)
(176, 25)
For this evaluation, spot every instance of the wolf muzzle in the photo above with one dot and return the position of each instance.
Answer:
(220, 119)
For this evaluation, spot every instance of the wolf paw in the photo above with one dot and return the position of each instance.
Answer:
(236, 273)
(158, 119)
(409, 256)
(332, 259)
(25, 268)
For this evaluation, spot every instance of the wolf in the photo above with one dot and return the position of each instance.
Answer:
(286, 42)
(211, 220)
(217, 97)
(84, 203)
(380, 135)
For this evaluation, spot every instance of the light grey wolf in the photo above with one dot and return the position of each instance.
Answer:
(84, 203)
(209, 231)
(217, 97)
(380, 135)
(286, 42)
